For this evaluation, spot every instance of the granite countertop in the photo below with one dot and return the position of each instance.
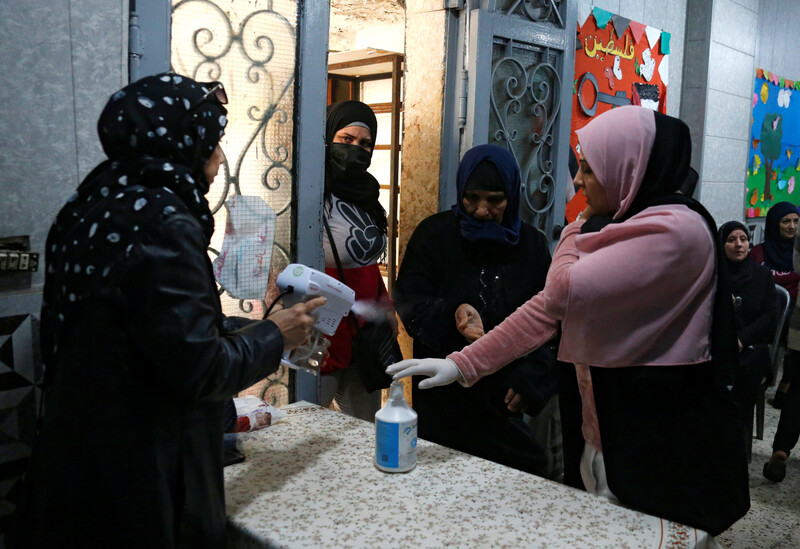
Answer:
(309, 481)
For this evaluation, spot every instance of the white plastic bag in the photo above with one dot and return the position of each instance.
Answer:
(252, 413)
(242, 267)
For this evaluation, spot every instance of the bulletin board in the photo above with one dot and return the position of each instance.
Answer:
(617, 62)
(773, 166)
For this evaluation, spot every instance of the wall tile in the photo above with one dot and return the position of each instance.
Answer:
(751, 5)
(632, 9)
(728, 115)
(734, 26)
(730, 70)
(698, 19)
(38, 168)
(697, 153)
(96, 26)
(693, 109)
(423, 6)
(724, 159)
(777, 49)
(695, 74)
(422, 123)
(725, 200)
(676, 64)
(655, 14)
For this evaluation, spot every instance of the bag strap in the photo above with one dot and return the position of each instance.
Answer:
(338, 264)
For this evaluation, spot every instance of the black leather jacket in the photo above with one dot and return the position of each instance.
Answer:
(130, 450)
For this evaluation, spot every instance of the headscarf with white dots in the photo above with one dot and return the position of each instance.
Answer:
(158, 134)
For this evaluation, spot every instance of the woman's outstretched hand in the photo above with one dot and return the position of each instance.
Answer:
(441, 371)
(469, 322)
(295, 323)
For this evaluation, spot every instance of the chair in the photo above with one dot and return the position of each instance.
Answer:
(775, 355)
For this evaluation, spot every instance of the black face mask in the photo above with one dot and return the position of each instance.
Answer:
(348, 160)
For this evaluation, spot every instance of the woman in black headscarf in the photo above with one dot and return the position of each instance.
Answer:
(775, 253)
(356, 222)
(138, 356)
(776, 250)
(753, 292)
(463, 272)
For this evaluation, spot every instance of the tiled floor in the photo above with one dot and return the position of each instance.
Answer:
(773, 521)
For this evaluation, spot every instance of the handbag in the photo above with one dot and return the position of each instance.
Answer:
(374, 346)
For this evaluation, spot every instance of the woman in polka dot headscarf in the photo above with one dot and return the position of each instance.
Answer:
(138, 356)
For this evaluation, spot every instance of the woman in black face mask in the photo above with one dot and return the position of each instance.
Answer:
(357, 223)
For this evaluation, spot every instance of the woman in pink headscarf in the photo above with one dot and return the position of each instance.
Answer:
(635, 289)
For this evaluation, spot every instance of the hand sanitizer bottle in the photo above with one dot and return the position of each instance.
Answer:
(396, 433)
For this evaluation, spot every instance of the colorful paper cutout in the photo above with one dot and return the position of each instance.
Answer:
(620, 24)
(616, 68)
(665, 36)
(774, 134)
(606, 75)
(602, 17)
(648, 66)
(653, 35)
(663, 70)
(584, 11)
(637, 29)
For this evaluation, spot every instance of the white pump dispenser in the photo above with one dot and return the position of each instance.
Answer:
(396, 433)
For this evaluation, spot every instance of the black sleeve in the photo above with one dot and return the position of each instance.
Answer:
(430, 320)
(174, 318)
(233, 323)
(761, 329)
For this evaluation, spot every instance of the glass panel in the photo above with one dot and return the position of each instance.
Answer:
(525, 101)
(541, 11)
(251, 48)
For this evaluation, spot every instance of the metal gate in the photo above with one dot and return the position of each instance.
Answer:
(269, 57)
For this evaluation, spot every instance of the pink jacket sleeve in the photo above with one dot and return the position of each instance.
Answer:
(530, 326)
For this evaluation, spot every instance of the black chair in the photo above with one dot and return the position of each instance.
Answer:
(776, 353)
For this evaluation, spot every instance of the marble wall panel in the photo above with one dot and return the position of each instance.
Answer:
(695, 72)
(778, 40)
(97, 26)
(725, 160)
(676, 25)
(38, 164)
(656, 14)
(422, 125)
(697, 154)
(728, 115)
(423, 6)
(730, 70)
(752, 5)
(633, 9)
(66, 56)
(694, 109)
(733, 25)
(724, 200)
(698, 24)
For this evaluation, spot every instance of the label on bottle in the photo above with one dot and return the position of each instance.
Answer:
(396, 444)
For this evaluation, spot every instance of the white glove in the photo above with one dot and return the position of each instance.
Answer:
(442, 371)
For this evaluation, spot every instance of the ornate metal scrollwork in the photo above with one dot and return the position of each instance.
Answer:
(539, 11)
(525, 94)
(254, 55)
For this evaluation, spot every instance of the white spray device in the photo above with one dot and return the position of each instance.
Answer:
(307, 283)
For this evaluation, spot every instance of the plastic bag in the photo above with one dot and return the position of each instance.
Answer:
(242, 267)
(252, 414)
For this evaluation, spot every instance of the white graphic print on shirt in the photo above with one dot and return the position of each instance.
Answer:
(357, 238)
